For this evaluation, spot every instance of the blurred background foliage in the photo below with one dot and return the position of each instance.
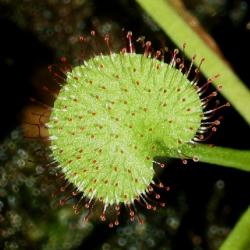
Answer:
(204, 203)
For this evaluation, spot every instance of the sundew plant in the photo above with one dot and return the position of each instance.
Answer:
(115, 113)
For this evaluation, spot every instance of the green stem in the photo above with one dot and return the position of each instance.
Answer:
(239, 159)
(239, 238)
(180, 32)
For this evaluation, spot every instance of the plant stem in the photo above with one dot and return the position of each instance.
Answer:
(227, 157)
(180, 32)
(239, 238)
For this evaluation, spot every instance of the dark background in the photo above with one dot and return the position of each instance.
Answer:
(25, 52)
